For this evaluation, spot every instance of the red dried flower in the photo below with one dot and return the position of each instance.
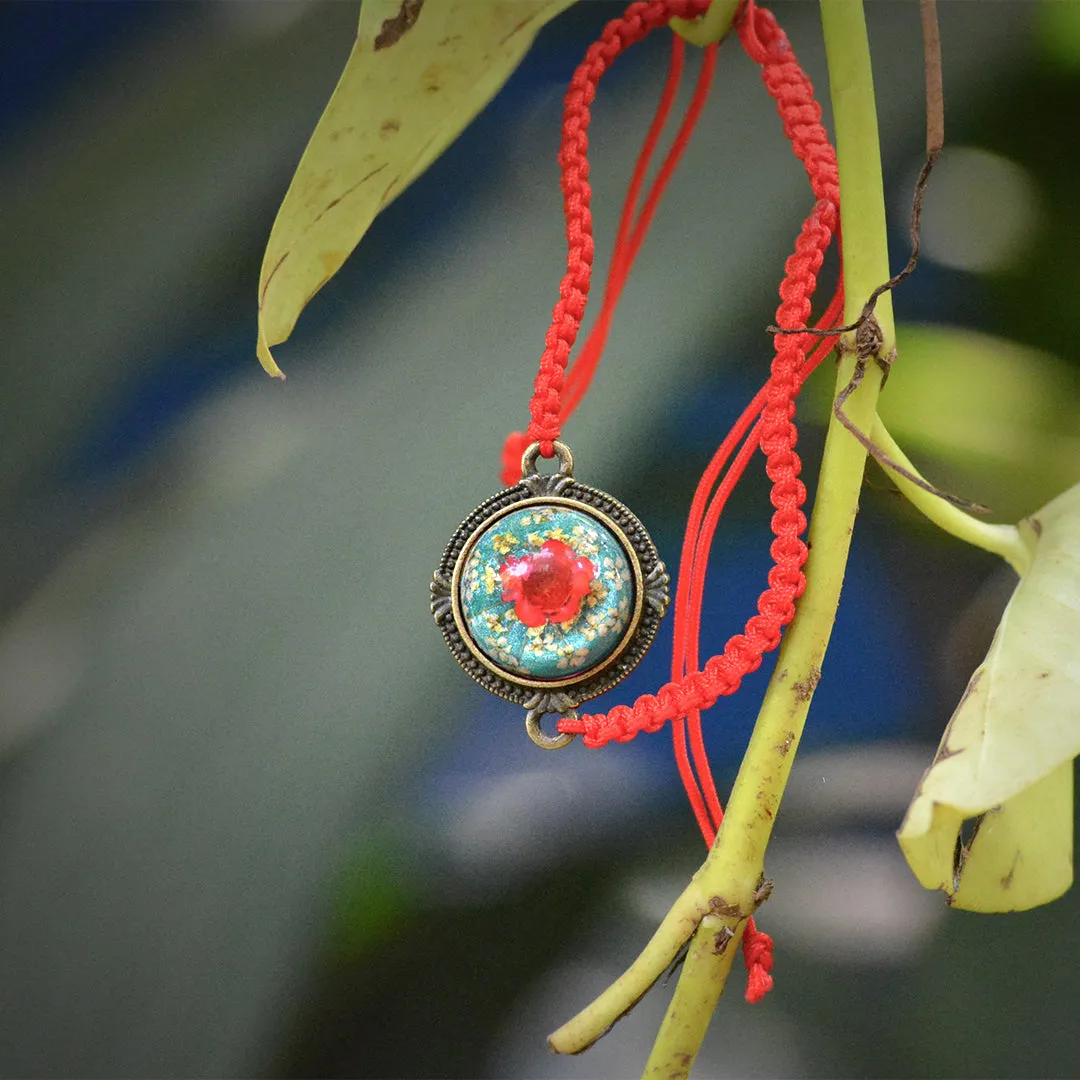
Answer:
(547, 585)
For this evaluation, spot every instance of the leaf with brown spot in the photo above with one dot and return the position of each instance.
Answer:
(394, 27)
(1007, 754)
(418, 73)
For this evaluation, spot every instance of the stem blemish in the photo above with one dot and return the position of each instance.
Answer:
(804, 691)
(722, 940)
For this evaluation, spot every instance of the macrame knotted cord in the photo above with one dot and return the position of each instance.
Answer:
(771, 412)
(701, 526)
(629, 236)
(619, 34)
(768, 46)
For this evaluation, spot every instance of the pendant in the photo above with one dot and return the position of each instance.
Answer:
(549, 593)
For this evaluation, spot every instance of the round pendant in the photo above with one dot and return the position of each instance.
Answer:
(549, 593)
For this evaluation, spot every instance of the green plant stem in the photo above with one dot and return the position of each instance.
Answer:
(708, 962)
(735, 864)
(738, 854)
(725, 890)
(1003, 540)
(580, 1032)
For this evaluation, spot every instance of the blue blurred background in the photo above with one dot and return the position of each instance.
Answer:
(253, 820)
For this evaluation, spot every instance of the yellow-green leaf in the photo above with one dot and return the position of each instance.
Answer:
(1022, 853)
(1005, 761)
(419, 71)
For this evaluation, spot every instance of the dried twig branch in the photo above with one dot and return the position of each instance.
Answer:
(935, 140)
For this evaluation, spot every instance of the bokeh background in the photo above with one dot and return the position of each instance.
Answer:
(253, 820)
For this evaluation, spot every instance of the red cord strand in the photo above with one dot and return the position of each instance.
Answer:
(697, 543)
(639, 20)
(629, 237)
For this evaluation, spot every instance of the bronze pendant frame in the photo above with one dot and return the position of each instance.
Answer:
(651, 594)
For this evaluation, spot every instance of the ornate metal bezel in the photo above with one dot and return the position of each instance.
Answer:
(650, 579)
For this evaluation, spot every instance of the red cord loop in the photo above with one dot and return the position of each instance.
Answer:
(695, 691)
(637, 21)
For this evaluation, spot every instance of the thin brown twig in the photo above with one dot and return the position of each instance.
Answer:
(935, 94)
(935, 140)
(883, 459)
(908, 270)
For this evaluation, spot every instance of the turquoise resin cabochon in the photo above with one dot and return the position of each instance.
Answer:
(554, 650)
(549, 593)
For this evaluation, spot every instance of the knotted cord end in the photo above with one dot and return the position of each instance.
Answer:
(517, 442)
(758, 956)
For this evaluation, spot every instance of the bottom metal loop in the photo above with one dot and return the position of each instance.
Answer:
(547, 742)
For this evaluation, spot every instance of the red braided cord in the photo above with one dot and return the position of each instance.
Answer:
(701, 527)
(632, 26)
(629, 237)
(697, 542)
(577, 380)
(766, 44)
(771, 411)
(628, 245)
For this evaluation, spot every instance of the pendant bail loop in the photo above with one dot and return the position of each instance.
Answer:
(532, 453)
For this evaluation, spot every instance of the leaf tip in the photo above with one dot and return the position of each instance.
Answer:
(268, 362)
